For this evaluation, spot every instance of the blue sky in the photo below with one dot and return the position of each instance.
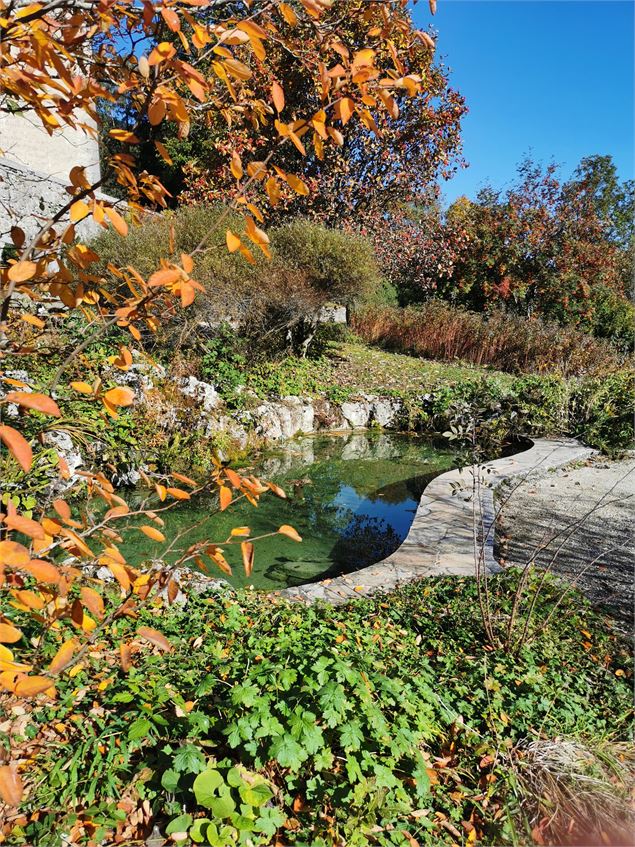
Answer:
(553, 78)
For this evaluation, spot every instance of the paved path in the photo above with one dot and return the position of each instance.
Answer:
(441, 538)
(540, 508)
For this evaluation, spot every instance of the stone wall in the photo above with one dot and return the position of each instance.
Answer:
(34, 169)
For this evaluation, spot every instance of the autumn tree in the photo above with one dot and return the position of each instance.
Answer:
(384, 157)
(550, 248)
(57, 61)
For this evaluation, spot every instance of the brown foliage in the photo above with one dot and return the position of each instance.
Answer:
(498, 339)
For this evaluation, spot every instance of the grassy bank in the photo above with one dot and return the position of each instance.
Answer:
(385, 722)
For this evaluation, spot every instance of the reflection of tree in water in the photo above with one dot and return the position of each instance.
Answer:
(365, 540)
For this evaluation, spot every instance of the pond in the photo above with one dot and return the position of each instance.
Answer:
(352, 497)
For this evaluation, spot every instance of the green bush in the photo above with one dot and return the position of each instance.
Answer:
(272, 300)
(613, 318)
(603, 410)
(340, 264)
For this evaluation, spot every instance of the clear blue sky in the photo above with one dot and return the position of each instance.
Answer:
(553, 78)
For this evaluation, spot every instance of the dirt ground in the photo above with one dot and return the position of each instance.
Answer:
(591, 510)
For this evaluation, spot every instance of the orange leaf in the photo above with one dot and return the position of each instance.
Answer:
(241, 530)
(29, 686)
(116, 220)
(233, 477)
(33, 320)
(82, 387)
(161, 492)
(9, 634)
(25, 525)
(124, 136)
(39, 402)
(277, 94)
(290, 532)
(92, 601)
(152, 533)
(185, 479)
(22, 271)
(236, 166)
(64, 656)
(11, 787)
(171, 19)
(62, 508)
(297, 185)
(13, 555)
(120, 396)
(42, 571)
(178, 493)
(18, 446)
(233, 241)
(225, 496)
(247, 549)
(125, 657)
(155, 637)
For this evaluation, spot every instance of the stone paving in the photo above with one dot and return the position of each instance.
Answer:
(441, 538)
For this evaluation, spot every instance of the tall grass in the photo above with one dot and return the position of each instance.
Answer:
(498, 339)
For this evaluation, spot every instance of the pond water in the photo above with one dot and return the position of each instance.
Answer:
(352, 498)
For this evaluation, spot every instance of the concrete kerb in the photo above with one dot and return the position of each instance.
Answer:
(441, 538)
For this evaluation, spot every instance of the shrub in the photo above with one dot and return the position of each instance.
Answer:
(602, 411)
(340, 264)
(498, 339)
(274, 300)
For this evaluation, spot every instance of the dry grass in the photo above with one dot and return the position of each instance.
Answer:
(500, 340)
(573, 794)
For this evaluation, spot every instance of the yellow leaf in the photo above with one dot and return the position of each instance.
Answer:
(79, 211)
(9, 634)
(22, 271)
(233, 242)
(152, 533)
(290, 532)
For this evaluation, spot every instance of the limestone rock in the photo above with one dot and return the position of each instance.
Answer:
(202, 392)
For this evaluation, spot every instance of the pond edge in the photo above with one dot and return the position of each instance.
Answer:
(440, 541)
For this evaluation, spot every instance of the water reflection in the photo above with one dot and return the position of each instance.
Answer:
(352, 498)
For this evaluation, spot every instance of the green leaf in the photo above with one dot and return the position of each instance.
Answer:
(351, 735)
(197, 832)
(256, 794)
(205, 786)
(222, 806)
(139, 729)
(189, 759)
(288, 752)
(234, 777)
(170, 780)
(180, 824)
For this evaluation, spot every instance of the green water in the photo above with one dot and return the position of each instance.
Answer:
(352, 498)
